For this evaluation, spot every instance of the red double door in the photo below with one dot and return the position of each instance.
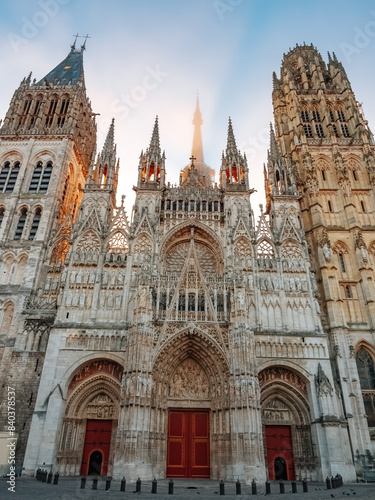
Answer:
(188, 451)
(96, 448)
(280, 458)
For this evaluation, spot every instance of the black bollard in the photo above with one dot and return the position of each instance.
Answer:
(49, 477)
(294, 487)
(304, 486)
(44, 479)
(268, 488)
(170, 487)
(83, 482)
(222, 487)
(338, 483)
(56, 478)
(328, 483)
(238, 487)
(154, 487)
(108, 483)
(138, 485)
(340, 480)
(123, 484)
(253, 487)
(333, 482)
(37, 475)
(282, 487)
(95, 483)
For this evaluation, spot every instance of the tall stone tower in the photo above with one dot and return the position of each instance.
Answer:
(325, 163)
(46, 143)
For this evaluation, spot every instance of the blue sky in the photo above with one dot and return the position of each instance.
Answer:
(159, 52)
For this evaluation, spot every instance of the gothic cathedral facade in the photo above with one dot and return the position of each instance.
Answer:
(192, 340)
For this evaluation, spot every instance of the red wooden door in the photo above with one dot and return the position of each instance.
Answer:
(279, 447)
(98, 438)
(188, 449)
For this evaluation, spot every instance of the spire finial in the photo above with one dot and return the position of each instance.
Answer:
(83, 47)
(75, 41)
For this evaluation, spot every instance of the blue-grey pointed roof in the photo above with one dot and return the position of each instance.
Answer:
(68, 72)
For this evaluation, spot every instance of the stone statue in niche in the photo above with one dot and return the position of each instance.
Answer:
(189, 382)
(326, 252)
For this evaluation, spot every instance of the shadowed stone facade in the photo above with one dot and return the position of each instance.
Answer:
(191, 338)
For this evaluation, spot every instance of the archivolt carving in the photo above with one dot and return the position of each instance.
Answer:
(88, 391)
(280, 373)
(189, 381)
(195, 346)
(93, 368)
(176, 257)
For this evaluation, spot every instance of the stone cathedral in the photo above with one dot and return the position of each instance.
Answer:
(192, 340)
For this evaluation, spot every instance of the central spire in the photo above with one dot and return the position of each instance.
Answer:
(202, 174)
(197, 148)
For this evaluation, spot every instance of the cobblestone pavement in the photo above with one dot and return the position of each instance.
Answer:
(69, 489)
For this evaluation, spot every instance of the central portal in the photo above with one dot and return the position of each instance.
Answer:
(188, 450)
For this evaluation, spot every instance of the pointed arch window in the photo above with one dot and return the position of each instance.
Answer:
(12, 177)
(25, 111)
(8, 177)
(307, 130)
(35, 113)
(35, 223)
(41, 177)
(305, 116)
(63, 112)
(51, 112)
(342, 262)
(366, 373)
(316, 116)
(319, 130)
(20, 224)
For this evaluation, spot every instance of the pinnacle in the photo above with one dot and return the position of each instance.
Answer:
(231, 141)
(274, 150)
(109, 147)
(155, 139)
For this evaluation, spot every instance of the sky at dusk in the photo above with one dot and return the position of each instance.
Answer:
(149, 57)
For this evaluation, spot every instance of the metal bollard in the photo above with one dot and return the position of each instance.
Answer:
(56, 478)
(238, 487)
(328, 483)
(222, 487)
(83, 482)
(123, 484)
(304, 486)
(44, 479)
(268, 488)
(333, 482)
(154, 487)
(108, 483)
(49, 477)
(170, 487)
(253, 487)
(282, 487)
(95, 483)
(138, 485)
(37, 475)
(340, 480)
(294, 487)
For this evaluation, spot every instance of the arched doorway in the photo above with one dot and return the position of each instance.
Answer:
(95, 463)
(191, 379)
(280, 469)
(90, 419)
(286, 423)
